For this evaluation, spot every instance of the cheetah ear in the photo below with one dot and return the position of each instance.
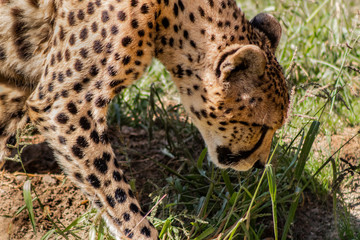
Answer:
(268, 24)
(248, 58)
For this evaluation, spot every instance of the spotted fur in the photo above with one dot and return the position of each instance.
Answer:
(62, 62)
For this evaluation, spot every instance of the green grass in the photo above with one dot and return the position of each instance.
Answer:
(320, 54)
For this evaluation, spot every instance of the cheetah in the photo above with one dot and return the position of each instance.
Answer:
(63, 61)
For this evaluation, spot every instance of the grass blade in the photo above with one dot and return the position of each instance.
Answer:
(272, 189)
(227, 181)
(309, 140)
(47, 235)
(205, 233)
(76, 222)
(29, 203)
(291, 215)
(165, 228)
(201, 158)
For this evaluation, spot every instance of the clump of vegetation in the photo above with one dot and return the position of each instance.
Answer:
(320, 55)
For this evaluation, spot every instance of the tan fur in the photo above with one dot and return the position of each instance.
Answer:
(79, 54)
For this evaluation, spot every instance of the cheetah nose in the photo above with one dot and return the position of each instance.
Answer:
(259, 165)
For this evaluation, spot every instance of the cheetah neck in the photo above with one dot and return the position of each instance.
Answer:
(190, 37)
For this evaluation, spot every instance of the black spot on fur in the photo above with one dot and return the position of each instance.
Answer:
(79, 177)
(211, 3)
(114, 30)
(23, 46)
(89, 96)
(83, 34)
(115, 83)
(192, 17)
(134, 3)
(122, 16)
(179, 71)
(98, 46)
(78, 65)
(101, 165)
(165, 22)
(134, 208)
(94, 70)
(111, 70)
(90, 8)
(81, 14)
(106, 156)
(94, 181)
(134, 23)
(126, 217)
(145, 231)
(117, 176)
(144, 9)
(82, 142)
(101, 102)
(95, 136)
(84, 123)
(62, 140)
(78, 87)
(72, 108)
(110, 200)
(71, 18)
(120, 195)
(62, 118)
(126, 41)
(94, 27)
(181, 5)
(104, 138)
(77, 152)
(128, 233)
(105, 16)
(201, 11)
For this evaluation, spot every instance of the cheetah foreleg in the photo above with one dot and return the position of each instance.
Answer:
(83, 150)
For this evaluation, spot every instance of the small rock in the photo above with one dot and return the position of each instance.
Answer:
(20, 178)
(49, 180)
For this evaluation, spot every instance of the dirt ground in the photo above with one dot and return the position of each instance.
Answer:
(61, 198)
(347, 184)
(65, 202)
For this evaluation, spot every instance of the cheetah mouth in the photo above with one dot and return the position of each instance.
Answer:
(226, 157)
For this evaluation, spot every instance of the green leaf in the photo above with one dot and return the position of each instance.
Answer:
(271, 176)
(165, 228)
(292, 212)
(29, 203)
(76, 222)
(309, 140)
(48, 234)
(205, 233)
(201, 158)
(227, 181)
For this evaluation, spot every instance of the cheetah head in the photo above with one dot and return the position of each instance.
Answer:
(244, 101)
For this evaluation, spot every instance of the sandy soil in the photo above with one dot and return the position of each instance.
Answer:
(62, 200)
